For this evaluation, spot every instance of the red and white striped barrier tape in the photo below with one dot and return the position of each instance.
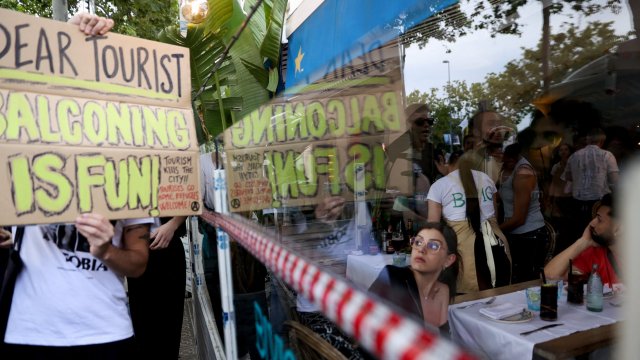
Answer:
(378, 328)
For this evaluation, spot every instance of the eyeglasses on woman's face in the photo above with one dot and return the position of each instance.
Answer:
(431, 245)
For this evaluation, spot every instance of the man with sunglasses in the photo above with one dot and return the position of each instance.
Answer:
(413, 155)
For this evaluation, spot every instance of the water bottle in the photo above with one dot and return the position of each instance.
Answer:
(594, 290)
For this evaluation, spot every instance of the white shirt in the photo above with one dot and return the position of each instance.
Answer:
(449, 193)
(64, 296)
(589, 170)
(207, 167)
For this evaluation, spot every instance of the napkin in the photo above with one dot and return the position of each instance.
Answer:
(501, 311)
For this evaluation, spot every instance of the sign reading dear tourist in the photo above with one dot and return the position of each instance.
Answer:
(93, 124)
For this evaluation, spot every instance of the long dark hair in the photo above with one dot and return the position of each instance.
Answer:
(449, 276)
(472, 211)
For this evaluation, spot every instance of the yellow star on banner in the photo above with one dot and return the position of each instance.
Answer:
(298, 61)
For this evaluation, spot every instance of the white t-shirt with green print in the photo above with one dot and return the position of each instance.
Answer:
(449, 193)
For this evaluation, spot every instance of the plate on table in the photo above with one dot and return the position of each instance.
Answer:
(521, 317)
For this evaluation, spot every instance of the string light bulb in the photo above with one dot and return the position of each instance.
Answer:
(194, 11)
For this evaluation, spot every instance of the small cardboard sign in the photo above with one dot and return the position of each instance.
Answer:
(93, 124)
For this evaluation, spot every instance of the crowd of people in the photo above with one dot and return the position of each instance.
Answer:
(493, 216)
(503, 208)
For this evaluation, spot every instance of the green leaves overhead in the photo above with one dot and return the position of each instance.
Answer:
(270, 47)
(222, 10)
(140, 18)
(204, 49)
(513, 90)
(249, 74)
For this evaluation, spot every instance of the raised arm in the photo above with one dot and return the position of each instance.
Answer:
(524, 184)
(558, 267)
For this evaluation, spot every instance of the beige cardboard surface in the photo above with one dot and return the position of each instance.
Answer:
(44, 119)
(293, 154)
(93, 124)
(56, 58)
(303, 173)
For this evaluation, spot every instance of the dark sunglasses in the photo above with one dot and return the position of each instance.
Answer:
(421, 121)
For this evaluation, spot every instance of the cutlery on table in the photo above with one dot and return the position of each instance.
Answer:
(525, 333)
(490, 301)
(522, 314)
(615, 304)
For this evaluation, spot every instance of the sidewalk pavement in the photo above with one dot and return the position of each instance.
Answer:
(187, 342)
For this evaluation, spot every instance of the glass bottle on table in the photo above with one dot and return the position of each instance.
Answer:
(410, 233)
(389, 238)
(594, 290)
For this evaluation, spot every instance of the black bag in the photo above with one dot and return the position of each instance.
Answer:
(502, 263)
(14, 266)
(500, 260)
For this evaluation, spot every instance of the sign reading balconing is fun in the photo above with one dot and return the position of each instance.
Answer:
(93, 124)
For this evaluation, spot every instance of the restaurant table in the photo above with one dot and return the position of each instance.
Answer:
(582, 330)
(363, 270)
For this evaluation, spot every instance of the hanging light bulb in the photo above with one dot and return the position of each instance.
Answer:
(194, 11)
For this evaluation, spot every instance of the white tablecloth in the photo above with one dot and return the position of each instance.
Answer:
(497, 340)
(363, 270)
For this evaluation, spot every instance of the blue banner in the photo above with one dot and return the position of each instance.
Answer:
(341, 30)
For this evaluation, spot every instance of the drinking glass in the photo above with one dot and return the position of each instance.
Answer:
(549, 301)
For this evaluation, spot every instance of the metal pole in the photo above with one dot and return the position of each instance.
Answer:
(546, 14)
(224, 268)
(60, 10)
(449, 98)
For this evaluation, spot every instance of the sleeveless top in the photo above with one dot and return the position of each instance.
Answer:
(534, 219)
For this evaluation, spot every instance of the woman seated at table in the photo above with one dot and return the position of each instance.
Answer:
(427, 287)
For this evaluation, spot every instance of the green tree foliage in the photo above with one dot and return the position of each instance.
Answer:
(512, 91)
(33, 7)
(140, 18)
(497, 16)
(250, 71)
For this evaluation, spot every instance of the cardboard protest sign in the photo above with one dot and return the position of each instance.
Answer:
(294, 151)
(49, 56)
(93, 124)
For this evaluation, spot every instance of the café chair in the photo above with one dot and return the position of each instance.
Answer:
(308, 345)
(551, 245)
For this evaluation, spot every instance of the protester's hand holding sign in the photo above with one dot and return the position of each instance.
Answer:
(101, 128)
(330, 208)
(131, 259)
(5, 238)
(92, 24)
